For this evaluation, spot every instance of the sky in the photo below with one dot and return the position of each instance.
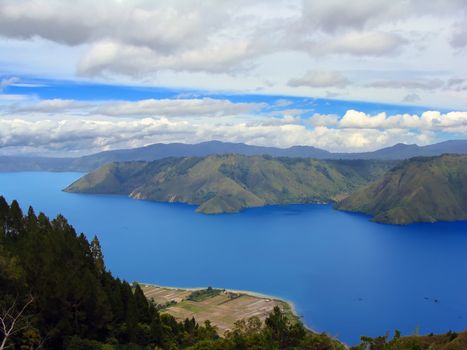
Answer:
(85, 76)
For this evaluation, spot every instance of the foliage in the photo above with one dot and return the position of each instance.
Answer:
(229, 183)
(448, 341)
(203, 294)
(54, 285)
(418, 190)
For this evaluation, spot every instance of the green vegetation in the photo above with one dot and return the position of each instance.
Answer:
(448, 341)
(230, 183)
(417, 190)
(55, 293)
(203, 294)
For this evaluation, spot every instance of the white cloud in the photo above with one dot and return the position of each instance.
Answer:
(363, 44)
(422, 84)
(4, 83)
(324, 119)
(430, 120)
(199, 107)
(320, 79)
(335, 15)
(241, 45)
(355, 131)
(113, 57)
(459, 37)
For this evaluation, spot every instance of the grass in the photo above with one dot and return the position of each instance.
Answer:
(222, 307)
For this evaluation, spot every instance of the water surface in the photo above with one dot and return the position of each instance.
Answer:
(346, 276)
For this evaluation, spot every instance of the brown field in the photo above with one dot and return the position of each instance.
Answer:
(222, 310)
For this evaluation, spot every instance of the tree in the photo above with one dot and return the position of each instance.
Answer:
(98, 257)
(4, 209)
(13, 320)
(15, 219)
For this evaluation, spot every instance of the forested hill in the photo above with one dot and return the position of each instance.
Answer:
(54, 285)
(229, 183)
(418, 190)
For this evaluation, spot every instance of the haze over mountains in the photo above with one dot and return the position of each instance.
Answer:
(160, 150)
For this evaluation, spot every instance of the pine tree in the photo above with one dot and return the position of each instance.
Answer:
(96, 253)
(4, 209)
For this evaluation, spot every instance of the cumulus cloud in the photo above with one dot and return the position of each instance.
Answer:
(142, 37)
(324, 119)
(320, 79)
(163, 25)
(430, 120)
(85, 136)
(354, 131)
(113, 57)
(362, 44)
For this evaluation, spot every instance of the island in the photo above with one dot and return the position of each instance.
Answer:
(230, 183)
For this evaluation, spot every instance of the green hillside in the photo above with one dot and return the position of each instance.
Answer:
(417, 190)
(229, 183)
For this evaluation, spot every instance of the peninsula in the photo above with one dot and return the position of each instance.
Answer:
(230, 183)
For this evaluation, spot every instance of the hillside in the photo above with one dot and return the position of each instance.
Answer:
(56, 289)
(230, 183)
(55, 293)
(418, 190)
(203, 149)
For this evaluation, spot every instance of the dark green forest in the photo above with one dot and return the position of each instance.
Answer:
(56, 293)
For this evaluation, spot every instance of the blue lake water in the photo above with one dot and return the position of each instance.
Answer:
(346, 276)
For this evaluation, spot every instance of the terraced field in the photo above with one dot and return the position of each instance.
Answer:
(222, 309)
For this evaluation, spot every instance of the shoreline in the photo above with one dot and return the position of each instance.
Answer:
(289, 303)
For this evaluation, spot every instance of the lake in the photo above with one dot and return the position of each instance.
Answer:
(346, 275)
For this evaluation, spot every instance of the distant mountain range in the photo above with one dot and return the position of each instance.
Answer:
(422, 189)
(160, 150)
(230, 183)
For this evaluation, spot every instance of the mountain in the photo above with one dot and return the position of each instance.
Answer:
(423, 189)
(9, 163)
(161, 150)
(402, 151)
(230, 183)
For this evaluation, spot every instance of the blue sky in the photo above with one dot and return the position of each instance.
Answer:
(47, 89)
(339, 75)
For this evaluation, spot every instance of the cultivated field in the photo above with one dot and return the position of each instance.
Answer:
(223, 309)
